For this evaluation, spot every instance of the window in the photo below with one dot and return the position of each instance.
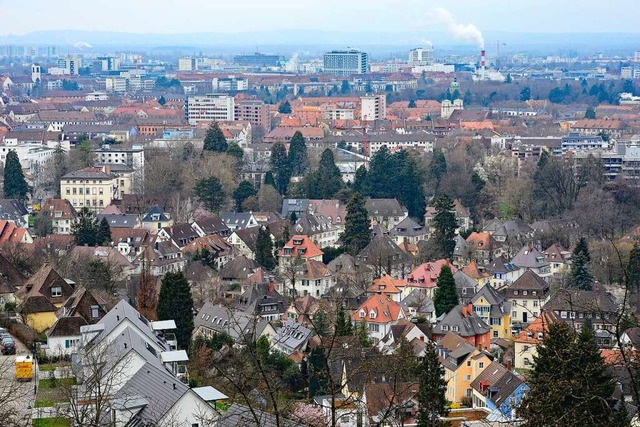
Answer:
(514, 314)
(467, 377)
(481, 365)
(95, 311)
(535, 303)
(455, 328)
(525, 293)
(495, 334)
(469, 363)
(563, 314)
(524, 303)
(445, 327)
(515, 292)
(56, 291)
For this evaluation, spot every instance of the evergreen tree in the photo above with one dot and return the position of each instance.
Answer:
(280, 167)
(327, 180)
(284, 107)
(264, 249)
(15, 186)
(269, 180)
(162, 100)
(437, 167)
(380, 182)
(210, 192)
(633, 269)
(214, 139)
(360, 179)
(412, 104)
(244, 191)
(175, 302)
(581, 277)
(410, 188)
(103, 232)
(356, 234)
(570, 384)
(432, 403)
(445, 224)
(446, 295)
(234, 150)
(84, 230)
(590, 113)
(343, 322)
(298, 156)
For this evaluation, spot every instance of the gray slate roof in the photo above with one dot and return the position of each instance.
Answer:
(468, 325)
(235, 323)
(240, 415)
(502, 383)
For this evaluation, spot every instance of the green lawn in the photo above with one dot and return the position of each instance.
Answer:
(48, 367)
(49, 383)
(51, 422)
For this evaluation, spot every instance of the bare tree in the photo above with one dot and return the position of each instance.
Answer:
(14, 396)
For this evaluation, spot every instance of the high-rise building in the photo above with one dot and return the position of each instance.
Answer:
(70, 64)
(258, 60)
(106, 63)
(188, 64)
(253, 111)
(230, 84)
(373, 107)
(421, 56)
(207, 108)
(346, 62)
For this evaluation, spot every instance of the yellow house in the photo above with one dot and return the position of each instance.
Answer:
(479, 274)
(462, 364)
(492, 307)
(95, 188)
(41, 296)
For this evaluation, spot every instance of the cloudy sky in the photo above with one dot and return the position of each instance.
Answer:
(188, 16)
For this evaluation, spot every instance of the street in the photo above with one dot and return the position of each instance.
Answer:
(16, 398)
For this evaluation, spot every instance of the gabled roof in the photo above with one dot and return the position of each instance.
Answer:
(239, 415)
(529, 281)
(481, 241)
(10, 277)
(384, 208)
(474, 272)
(249, 236)
(235, 323)
(238, 268)
(499, 306)
(61, 206)
(212, 225)
(67, 326)
(463, 318)
(312, 269)
(382, 246)
(418, 300)
(387, 285)
(39, 286)
(302, 245)
(384, 309)
(501, 265)
(456, 349)
(596, 301)
(426, 274)
(408, 228)
(119, 220)
(236, 219)
(529, 257)
(540, 325)
(496, 382)
(557, 253)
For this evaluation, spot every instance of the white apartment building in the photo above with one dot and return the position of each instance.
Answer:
(421, 56)
(229, 84)
(187, 64)
(373, 107)
(115, 84)
(346, 62)
(211, 107)
(32, 156)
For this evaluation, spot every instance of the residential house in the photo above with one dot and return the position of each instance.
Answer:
(390, 404)
(499, 391)
(264, 301)
(297, 206)
(61, 213)
(302, 310)
(14, 210)
(527, 295)
(461, 213)
(311, 278)
(385, 212)
(156, 219)
(11, 279)
(482, 247)
(464, 321)
(240, 415)
(212, 247)
(41, 296)
(321, 231)
(238, 269)
(559, 259)
(576, 307)
(466, 286)
(332, 209)
(526, 343)
(298, 249)
(418, 305)
(180, 234)
(462, 363)
(242, 327)
(461, 251)
(402, 330)
(512, 235)
(10, 233)
(84, 307)
(291, 337)
(477, 273)
(130, 242)
(348, 271)
(238, 220)
(494, 310)
(387, 285)
(121, 268)
(425, 276)
(383, 256)
(530, 258)
(210, 225)
(244, 241)
(162, 257)
(408, 231)
(94, 188)
(378, 313)
(503, 272)
(119, 220)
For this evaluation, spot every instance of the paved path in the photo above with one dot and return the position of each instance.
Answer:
(15, 397)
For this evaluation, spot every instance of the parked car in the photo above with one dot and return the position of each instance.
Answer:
(8, 346)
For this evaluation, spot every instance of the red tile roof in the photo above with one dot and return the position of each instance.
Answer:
(305, 247)
(426, 275)
(385, 310)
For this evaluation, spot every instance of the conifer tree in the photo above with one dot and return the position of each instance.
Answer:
(280, 167)
(244, 191)
(356, 234)
(360, 179)
(343, 322)
(85, 230)
(432, 403)
(214, 139)
(327, 180)
(633, 269)
(210, 192)
(15, 185)
(264, 249)
(103, 232)
(445, 224)
(437, 167)
(570, 384)
(298, 156)
(270, 180)
(175, 302)
(446, 295)
(581, 277)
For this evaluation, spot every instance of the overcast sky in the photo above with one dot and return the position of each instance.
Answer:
(188, 16)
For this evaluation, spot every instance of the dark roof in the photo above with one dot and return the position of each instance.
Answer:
(13, 210)
(597, 300)
(158, 211)
(213, 225)
(383, 246)
(409, 228)
(384, 207)
(500, 383)
(239, 268)
(529, 281)
(249, 236)
(39, 285)
(10, 277)
(67, 327)
(182, 234)
(239, 415)
(119, 220)
(468, 325)
(88, 173)
(499, 307)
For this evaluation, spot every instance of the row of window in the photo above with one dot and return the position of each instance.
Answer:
(81, 191)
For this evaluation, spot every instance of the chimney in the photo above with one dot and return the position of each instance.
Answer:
(107, 169)
(509, 364)
(464, 311)
(271, 286)
(482, 64)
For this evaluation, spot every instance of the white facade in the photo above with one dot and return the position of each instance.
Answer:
(207, 108)
(374, 107)
(32, 156)
(115, 84)
(133, 157)
(229, 84)
(187, 64)
(346, 62)
(421, 56)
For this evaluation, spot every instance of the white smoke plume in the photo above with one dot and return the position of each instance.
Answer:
(81, 45)
(465, 32)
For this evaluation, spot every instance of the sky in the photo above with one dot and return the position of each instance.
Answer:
(194, 16)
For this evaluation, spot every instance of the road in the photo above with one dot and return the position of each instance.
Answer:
(16, 398)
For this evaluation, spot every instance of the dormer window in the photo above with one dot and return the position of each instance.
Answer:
(372, 314)
(362, 313)
(515, 292)
(56, 291)
(297, 241)
(445, 327)
(525, 293)
(455, 328)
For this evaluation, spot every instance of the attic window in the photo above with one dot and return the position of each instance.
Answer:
(56, 291)
(372, 314)
(445, 327)
(362, 313)
(515, 292)
(297, 241)
(525, 293)
(455, 328)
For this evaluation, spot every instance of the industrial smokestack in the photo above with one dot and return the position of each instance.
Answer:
(482, 64)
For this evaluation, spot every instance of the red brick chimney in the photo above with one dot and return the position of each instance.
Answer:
(272, 287)
(464, 311)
